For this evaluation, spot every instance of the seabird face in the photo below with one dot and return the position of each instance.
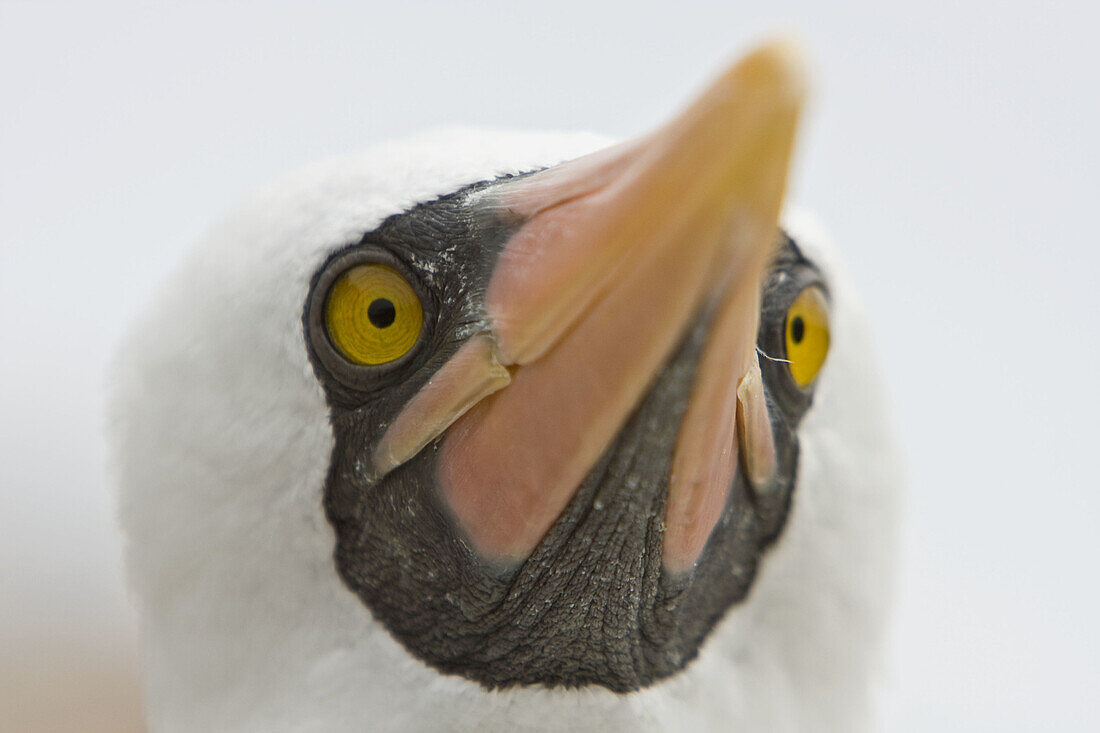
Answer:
(428, 437)
(558, 456)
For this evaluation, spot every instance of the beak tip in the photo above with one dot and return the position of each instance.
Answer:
(782, 62)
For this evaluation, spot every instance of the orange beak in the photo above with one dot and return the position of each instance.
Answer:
(618, 254)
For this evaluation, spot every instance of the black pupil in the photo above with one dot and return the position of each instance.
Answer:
(381, 313)
(798, 329)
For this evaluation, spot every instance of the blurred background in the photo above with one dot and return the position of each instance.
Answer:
(952, 148)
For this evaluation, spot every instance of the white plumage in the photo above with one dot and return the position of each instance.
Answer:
(222, 442)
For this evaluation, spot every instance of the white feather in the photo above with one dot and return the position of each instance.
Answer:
(221, 445)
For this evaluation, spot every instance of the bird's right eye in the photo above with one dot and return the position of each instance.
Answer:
(807, 335)
(372, 315)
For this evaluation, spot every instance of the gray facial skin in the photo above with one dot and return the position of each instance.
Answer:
(592, 605)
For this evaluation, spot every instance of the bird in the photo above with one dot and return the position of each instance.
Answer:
(490, 430)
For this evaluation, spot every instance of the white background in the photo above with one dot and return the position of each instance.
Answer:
(952, 149)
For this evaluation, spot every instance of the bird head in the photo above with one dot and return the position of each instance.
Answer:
(527, 410)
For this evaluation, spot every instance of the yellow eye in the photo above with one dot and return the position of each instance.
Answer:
(807, 332)
(372, 315)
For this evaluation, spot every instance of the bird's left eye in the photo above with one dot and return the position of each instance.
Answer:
(807, 335)
(372, 314)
